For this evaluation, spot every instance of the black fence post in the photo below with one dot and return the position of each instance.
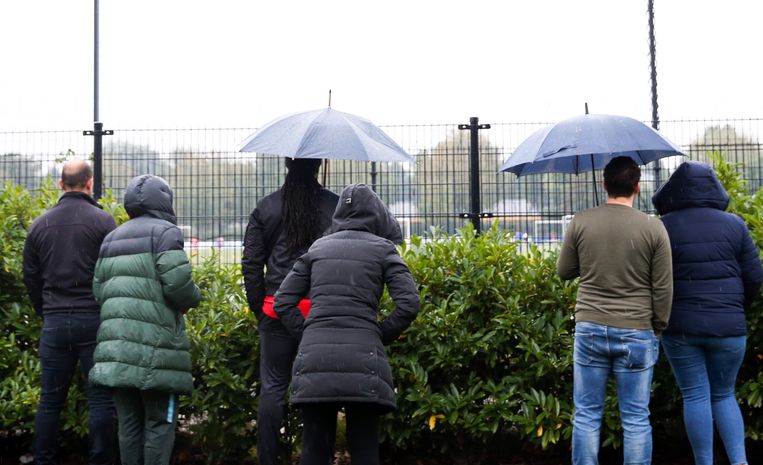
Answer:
(474, 172)
(373, 176)
(98, 134)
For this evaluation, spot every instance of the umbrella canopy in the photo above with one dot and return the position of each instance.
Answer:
(586, 143)
(327, 134)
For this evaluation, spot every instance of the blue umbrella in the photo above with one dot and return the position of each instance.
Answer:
(588, 143)
(327, 134)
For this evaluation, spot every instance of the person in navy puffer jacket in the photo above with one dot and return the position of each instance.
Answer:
(717, 273)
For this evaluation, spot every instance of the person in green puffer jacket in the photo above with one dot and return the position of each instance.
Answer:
(144, 285)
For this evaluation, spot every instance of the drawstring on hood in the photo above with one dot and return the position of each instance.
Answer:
(360, 209)
(149, 195)
(692, 185)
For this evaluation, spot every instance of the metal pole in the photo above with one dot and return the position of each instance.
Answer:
(97, 131)
(97, 125)
(95, 62)
(653, 74)
(474, 172)
(97, 159)
(373, 176)
(593, 170)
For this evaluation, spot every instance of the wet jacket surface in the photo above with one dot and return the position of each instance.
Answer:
(143, 281)
(716, 267)
(60, 252)
(266, 258)
(341, 356)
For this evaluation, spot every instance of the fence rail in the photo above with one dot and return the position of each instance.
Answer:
(216, 187)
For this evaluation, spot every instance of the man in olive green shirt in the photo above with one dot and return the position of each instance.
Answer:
(623, 259)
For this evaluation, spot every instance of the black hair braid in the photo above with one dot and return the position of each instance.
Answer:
(301, 204)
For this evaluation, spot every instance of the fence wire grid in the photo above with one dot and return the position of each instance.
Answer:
(215, 187)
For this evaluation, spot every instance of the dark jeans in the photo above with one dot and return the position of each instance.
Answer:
(65, 339)
(319, 434)
(277, 351)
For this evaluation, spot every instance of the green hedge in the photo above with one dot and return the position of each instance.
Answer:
(490, 354)
(485, 369)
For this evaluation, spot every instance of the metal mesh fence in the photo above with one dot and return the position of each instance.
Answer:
(216, 187)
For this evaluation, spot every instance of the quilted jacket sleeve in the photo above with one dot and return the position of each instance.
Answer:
(752, 270)
(404, 293)
(294, 287)
(174, 271)
(98, 281)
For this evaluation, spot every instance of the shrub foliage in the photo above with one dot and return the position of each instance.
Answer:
(486, 367)
(490, 354)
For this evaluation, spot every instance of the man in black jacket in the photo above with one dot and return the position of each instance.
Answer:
(59, 259)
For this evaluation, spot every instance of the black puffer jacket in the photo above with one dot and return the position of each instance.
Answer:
(341, 355)
(266, 258)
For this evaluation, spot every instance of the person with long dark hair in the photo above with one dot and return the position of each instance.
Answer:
(281, 228)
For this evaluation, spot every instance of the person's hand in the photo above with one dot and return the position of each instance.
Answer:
(183, 311)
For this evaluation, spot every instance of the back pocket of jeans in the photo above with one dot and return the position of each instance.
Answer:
(641, 353)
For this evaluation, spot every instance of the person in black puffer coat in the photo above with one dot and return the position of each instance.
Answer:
(282, 227)
(717, 274)
(341, 361)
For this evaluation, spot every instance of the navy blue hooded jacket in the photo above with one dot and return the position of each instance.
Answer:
(716, 268)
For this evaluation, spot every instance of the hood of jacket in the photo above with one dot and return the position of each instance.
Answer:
(692, 185)
(360, 209)
(149, 195)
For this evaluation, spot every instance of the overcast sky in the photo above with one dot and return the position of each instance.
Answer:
(236, 63)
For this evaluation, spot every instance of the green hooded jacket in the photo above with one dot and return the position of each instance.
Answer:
(143, 283)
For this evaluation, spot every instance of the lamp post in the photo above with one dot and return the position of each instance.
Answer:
(653, 74)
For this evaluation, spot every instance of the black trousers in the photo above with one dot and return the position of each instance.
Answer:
(319, 434)
(277, 351)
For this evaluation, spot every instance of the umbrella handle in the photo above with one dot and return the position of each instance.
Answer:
(593, 172)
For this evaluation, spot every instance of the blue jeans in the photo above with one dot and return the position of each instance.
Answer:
(706, 371)
(66, 338)
(630, 354)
